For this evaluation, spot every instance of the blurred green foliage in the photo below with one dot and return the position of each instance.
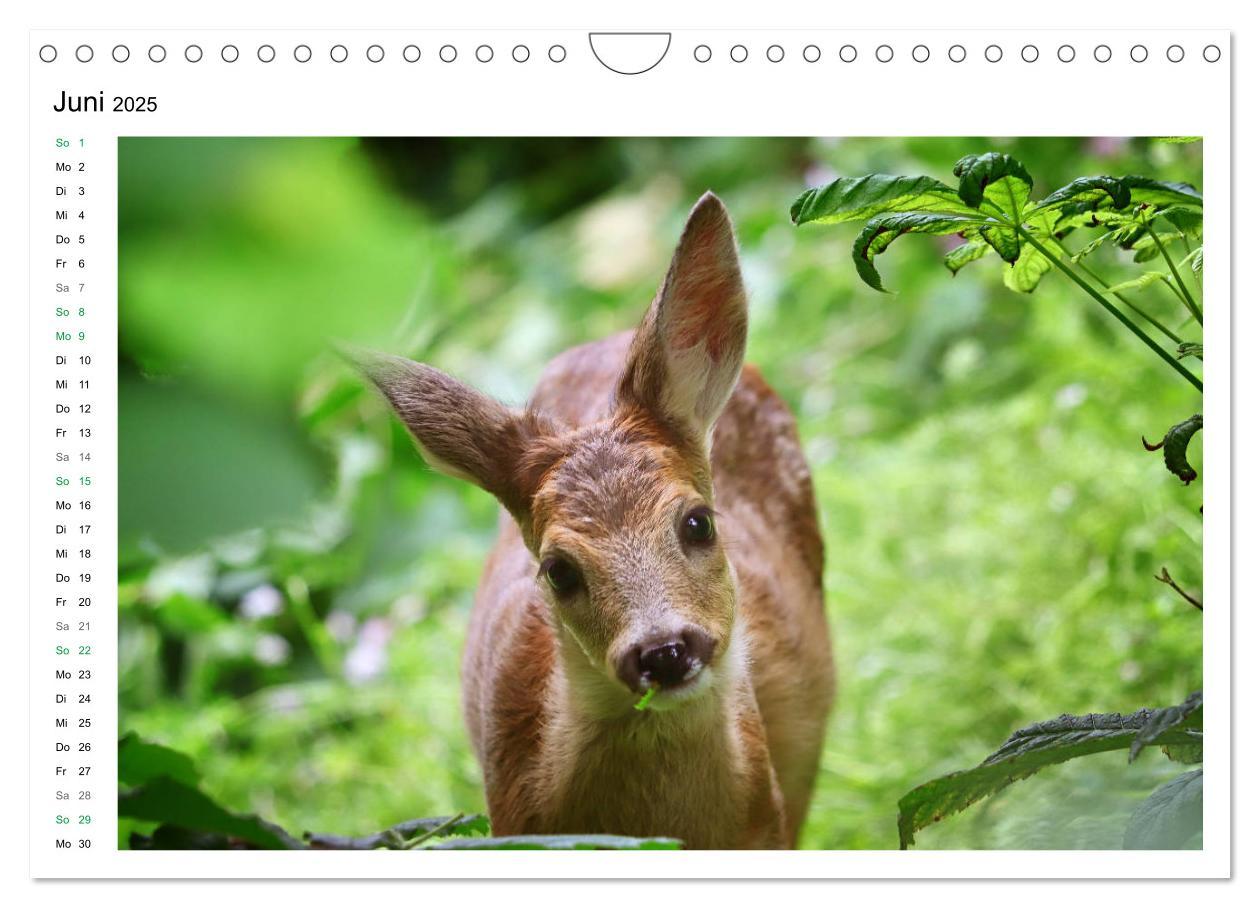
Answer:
(294, 583)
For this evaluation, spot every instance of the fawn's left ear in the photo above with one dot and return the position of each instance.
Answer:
(686, 355)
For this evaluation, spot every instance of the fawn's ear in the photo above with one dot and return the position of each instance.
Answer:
(686, 355)
(459, 430)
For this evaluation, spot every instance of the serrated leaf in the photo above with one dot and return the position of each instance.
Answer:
(1160, 193)
(1025, 753)
(1171, 818)
(1026, 273)
(1090, 191)
(140, 761)
(996, 178)
(1146, 279)
(1187, 715)
(1004, 240)
(1090, 248)
(1186, 219)
(175, 804)
(960, 256)
(860, 198)
(1073, 216)
(882, 230)
(559, 843)
(1143, 246)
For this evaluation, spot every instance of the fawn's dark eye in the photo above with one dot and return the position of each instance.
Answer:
(698, 527)
(561, 576)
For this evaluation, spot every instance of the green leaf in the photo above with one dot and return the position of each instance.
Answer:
(859, 198)
(1174, 443)
(1025, 274)
(880, 231)
(1146, 279)
(965, 254)
(188, 616)
(1144, 247)
(1171, 818)
(1184, 753)
(1189, 348)
(1161, 193)
(1087, 191)
(1025, 752)
(559, 843)
(1177, 140)
(1186, 716)
(996, 178)
(140, 761)
(1090, 248)
(396, 836)
(1027, 270)
(1187, 219)
(1004, 240)
(167, 801)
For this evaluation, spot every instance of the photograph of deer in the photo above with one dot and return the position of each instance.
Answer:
(648, 653)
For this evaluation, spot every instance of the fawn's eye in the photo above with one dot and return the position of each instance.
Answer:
(698, 527)
(562, 576)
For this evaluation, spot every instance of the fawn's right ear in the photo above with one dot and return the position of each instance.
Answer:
(460, 431)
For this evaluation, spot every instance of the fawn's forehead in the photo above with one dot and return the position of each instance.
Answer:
(611, 480)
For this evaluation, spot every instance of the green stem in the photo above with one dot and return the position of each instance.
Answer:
(317, 636)
(1124, 320)
(1121, 297)
(1194, 310)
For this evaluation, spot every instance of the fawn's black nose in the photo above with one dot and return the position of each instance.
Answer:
(666, 662)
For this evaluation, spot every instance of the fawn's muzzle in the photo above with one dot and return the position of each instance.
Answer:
(666, 662)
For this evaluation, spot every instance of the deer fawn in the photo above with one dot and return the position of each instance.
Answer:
(660, 532)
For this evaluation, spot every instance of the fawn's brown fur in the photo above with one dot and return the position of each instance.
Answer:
(608, 477)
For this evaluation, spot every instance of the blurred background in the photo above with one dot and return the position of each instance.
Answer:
(294, 583)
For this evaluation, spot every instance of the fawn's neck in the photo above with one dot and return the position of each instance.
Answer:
(689, 771)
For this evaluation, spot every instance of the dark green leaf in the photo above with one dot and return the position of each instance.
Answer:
(1174, 443)
(1189, 348)
(880, 231)
(994, 177)
(560, 843)
(1087, 191)
(1025, 752)
(1160, 193)
(859, 198)
(1172, 817)
(965, 254)
(166, 801)
(140, 761)
(1187, 219)
(397, 836)
(1004, 240)
(1186, 716)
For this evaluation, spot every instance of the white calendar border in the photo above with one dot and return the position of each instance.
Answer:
(613, 106)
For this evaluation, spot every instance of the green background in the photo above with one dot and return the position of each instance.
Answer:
(294, 583)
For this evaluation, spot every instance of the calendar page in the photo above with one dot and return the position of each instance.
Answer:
(670, 451)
